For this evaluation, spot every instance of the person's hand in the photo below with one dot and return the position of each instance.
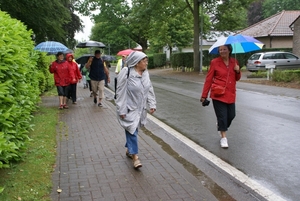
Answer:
(90, 59)
(152, 110)
(237, 68)
(108, 79)
(122, 116)
(202, 99)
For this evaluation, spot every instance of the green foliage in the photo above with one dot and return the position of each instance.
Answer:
(286, 76)
(52, 20)
(159, 60)
(45, 78)
(31, 178)
(271, 7)
(229, 15)
(182, 59)
(150, 62)
(19, 90)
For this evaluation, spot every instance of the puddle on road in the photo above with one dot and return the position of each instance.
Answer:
(207, 182)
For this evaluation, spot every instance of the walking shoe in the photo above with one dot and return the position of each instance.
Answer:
(61, 107)
(223, 142)
(65, 107)
(74, 102)
(95, 100)
(137, 164)
(100, 105)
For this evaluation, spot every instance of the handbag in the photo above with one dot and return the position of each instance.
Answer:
(218, 90)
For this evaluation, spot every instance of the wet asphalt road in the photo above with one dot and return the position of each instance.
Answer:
(263, 138)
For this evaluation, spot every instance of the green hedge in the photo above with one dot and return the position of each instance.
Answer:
(186, 59)
(19, 87)
(150, 62)
(286, 75)
(159, 60)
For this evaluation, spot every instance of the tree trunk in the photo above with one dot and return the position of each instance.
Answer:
(196, 36)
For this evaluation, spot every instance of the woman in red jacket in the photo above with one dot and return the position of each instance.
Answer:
(62, 78)
(77, 76)
(221, 80)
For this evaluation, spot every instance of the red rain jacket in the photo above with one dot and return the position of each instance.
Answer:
(74, 68)
(217, 74)
(62, 73)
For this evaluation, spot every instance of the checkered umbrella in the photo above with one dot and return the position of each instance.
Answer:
(51, 47)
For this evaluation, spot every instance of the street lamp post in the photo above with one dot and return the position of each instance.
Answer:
(201, 35)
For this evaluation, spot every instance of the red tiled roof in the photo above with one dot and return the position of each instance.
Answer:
(275, 25)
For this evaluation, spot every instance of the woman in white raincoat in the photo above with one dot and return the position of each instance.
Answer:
(134, 92)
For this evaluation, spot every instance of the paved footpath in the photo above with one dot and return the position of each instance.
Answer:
(92, 166)
(91, 162)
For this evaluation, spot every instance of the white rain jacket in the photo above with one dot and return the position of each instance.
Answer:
(133, 94)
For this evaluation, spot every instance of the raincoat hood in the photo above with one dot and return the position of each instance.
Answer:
(68, 56)
(134, 58)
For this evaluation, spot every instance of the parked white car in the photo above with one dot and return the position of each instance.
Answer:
(281, 60)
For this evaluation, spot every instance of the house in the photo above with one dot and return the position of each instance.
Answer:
(295, 27)
(274, 31)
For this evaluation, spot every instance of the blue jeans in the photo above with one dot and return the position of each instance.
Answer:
(131, 142)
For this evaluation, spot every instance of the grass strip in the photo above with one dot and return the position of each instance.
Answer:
(31, 179)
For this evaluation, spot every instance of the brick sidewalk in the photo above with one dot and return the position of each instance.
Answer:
(92, 166)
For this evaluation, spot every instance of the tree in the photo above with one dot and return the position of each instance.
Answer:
(271, 7)
(255, 12)
(49, 20)
(141, 22)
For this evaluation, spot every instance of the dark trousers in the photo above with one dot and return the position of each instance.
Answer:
(63, 90)
(90, 85)
(225, 114)
(72, 92)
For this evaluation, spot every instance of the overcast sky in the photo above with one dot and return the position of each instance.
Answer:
(88, 24)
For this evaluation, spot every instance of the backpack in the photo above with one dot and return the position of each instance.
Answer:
(116, 83)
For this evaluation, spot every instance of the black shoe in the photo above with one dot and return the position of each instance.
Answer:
(100, 105)
(95, 100)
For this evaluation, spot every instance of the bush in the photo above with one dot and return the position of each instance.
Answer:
(45, 78)
(150, 62)
(159, 60)
(19, 88)
(286, 75)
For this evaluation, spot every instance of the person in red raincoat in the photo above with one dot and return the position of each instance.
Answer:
(62, 78)
(223, 73)
(77, 75)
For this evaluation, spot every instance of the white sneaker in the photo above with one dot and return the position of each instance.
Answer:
(224, 143)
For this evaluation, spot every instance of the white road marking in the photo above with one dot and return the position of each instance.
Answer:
(232, 171)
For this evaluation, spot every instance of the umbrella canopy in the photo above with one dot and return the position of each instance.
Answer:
(125, 52)
(90, 43)
(51, 47)
(83, 59)
(240, 44)
(108, 58)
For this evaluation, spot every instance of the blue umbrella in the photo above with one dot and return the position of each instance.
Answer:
(51, 47)
(240, 44)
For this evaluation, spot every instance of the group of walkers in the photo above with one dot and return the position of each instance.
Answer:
(134, 91)
(67, 75)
